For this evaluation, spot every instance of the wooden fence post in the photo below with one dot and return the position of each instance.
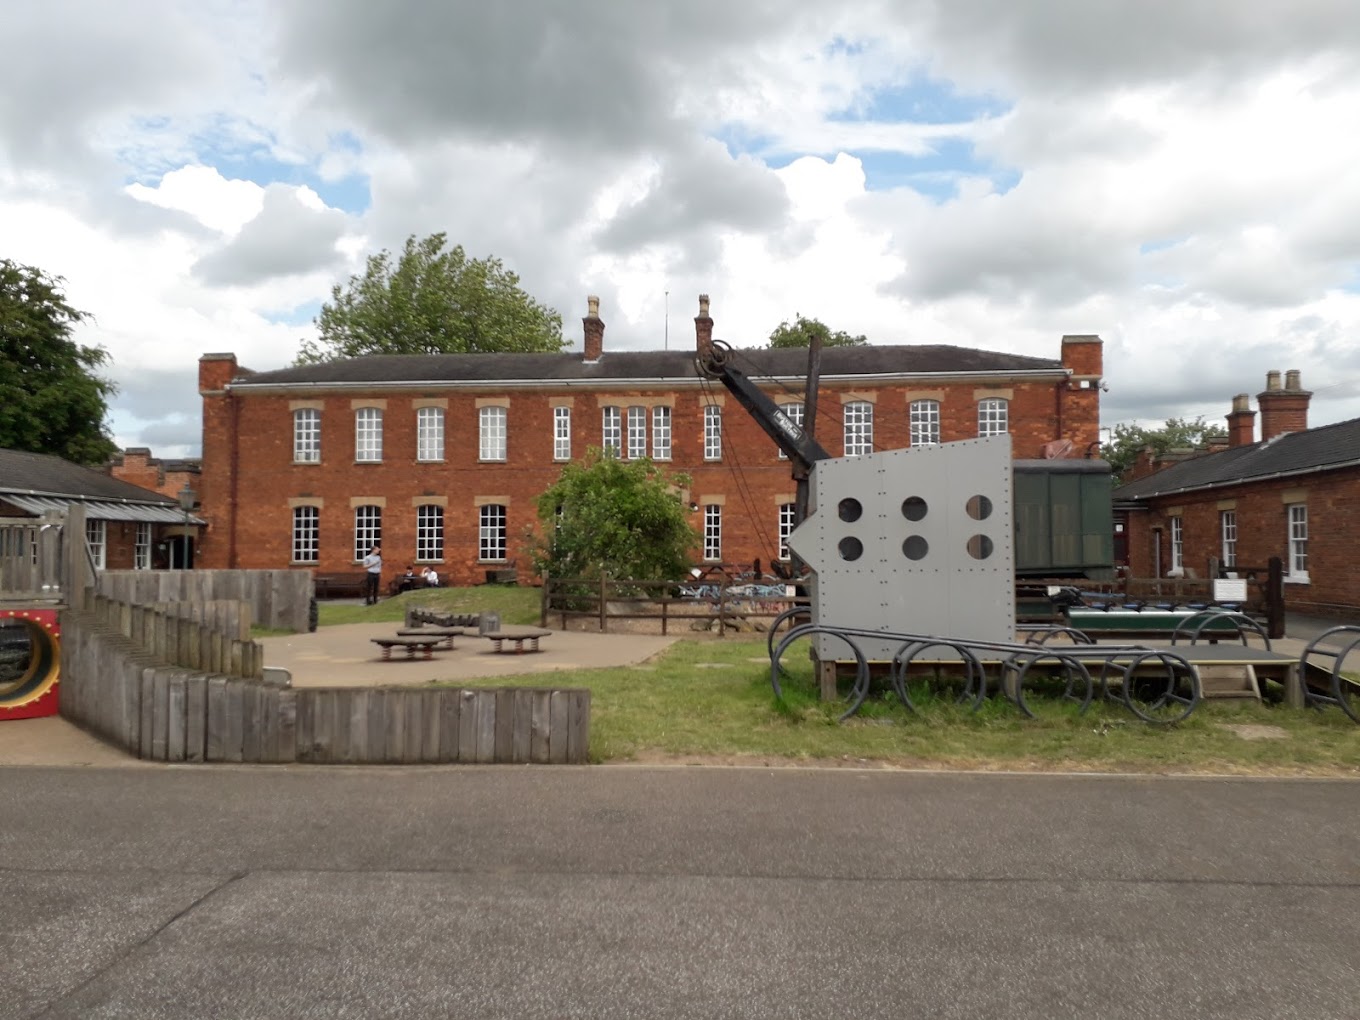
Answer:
(604, 605)
(1275, 598)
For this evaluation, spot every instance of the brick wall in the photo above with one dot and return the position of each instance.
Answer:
(1333, 501)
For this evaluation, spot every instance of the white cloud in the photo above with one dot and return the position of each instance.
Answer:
(1176, 177)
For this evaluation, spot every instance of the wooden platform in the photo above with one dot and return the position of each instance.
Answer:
(410, 644)
(443, 634)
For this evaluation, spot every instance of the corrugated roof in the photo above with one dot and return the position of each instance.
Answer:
(38, 474)
(1319, 449)
(99, 510)
(644, 365)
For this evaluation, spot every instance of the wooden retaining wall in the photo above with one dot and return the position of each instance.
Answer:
(278, 599)
(161, 712)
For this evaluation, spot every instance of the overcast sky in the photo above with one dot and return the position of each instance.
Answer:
(1181, 177)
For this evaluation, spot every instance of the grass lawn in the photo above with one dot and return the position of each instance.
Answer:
(709, 699)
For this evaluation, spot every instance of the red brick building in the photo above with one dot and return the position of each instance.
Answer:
(127, 527)
(1294, 494)
(443, 456)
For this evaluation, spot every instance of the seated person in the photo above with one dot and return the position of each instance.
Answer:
(431, 577)
(408, 580)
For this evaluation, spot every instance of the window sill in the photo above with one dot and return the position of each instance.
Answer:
(1296, 579)
(366, 463)
(436, 460)
(307, 463)
(491, 460)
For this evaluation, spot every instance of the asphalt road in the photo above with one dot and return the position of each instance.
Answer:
(664, 893)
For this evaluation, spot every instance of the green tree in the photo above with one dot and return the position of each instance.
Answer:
(1127, 441)
(622, 517)
(51, 401)
(801, 331)
(431, 301)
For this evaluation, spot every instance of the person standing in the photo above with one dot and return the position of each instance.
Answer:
(372, 564)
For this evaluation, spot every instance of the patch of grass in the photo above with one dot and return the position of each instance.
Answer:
(515, 604)
(257, 631)
(710, 699)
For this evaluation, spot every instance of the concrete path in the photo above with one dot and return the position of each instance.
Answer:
(531, 893)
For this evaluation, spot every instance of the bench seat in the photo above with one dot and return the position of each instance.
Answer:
(519, 638)
(410, 644)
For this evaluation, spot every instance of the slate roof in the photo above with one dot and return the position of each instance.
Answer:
(39, 474)
(1319, 449)
(626, 365)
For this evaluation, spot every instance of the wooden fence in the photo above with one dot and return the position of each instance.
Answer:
(131, 694)
(278, 599)
(608, 602)
(30, 559)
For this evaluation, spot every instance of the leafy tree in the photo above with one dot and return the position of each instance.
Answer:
(801, 332)
(616, 516)
(431, 301)
(1127, 441)
(50, 399)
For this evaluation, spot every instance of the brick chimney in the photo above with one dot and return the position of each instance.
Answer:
(1283, 409)
(703, 329)
(1241, 422)
(593, 327)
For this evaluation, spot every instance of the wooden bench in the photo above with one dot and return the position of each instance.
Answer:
(335, 586)
(444, 634)
(411, 644)
(499, 638)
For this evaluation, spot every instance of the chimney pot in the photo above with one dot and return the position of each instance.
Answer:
(1273, 379)
(592, 328)
(703, 329)
(1292, 380)
(1241, 422)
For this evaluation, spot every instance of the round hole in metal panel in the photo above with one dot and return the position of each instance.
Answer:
(915, 547)
(851, 548)
(979, 508)
(914, 508)
(980, 547)
(849, 510)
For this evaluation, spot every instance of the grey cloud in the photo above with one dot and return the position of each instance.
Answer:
(591, 74)
(697, 190)
(285, 238)
(1061, 45)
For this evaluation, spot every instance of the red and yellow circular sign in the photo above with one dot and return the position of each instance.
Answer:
(30, 662)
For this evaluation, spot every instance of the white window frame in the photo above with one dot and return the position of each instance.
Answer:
(1296, 514)
(786, 516)
(712, 432)
(661, 433)
(306, 534)
(1227, 528)
(925, 422)
(491, 531)
(97, 538)
(368, 435)
(492, 433)
(429, 533)
(429, 434)
(712, 532)
(637, 433)
(141, 546)
(858, 416)
(794, 411)
(611, 431)
(994, 415)
(1177, 544)
(367, 529)
(307, 436)
(561, 433)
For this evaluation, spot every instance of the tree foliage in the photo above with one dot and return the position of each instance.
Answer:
(51, 400)
(1127, 441)
(801, 332)
(431, 301)
(614, 516)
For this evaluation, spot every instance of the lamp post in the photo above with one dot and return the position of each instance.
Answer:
(187, 498)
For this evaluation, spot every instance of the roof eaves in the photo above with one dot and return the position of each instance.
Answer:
(1246, 480)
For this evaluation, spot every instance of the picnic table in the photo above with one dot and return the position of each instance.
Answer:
(410, 644)
(516, 636)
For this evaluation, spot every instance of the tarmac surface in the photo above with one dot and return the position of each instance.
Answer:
(634, 892)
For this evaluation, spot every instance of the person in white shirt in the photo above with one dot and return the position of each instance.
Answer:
(431, 577)
(373, 566)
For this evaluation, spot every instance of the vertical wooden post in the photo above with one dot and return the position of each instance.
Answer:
(1275, 598)
(604, 606)
(543, 600)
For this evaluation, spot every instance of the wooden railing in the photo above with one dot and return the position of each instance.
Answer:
(608, 601)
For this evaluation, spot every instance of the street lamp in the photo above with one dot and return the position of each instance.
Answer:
(187, 498)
